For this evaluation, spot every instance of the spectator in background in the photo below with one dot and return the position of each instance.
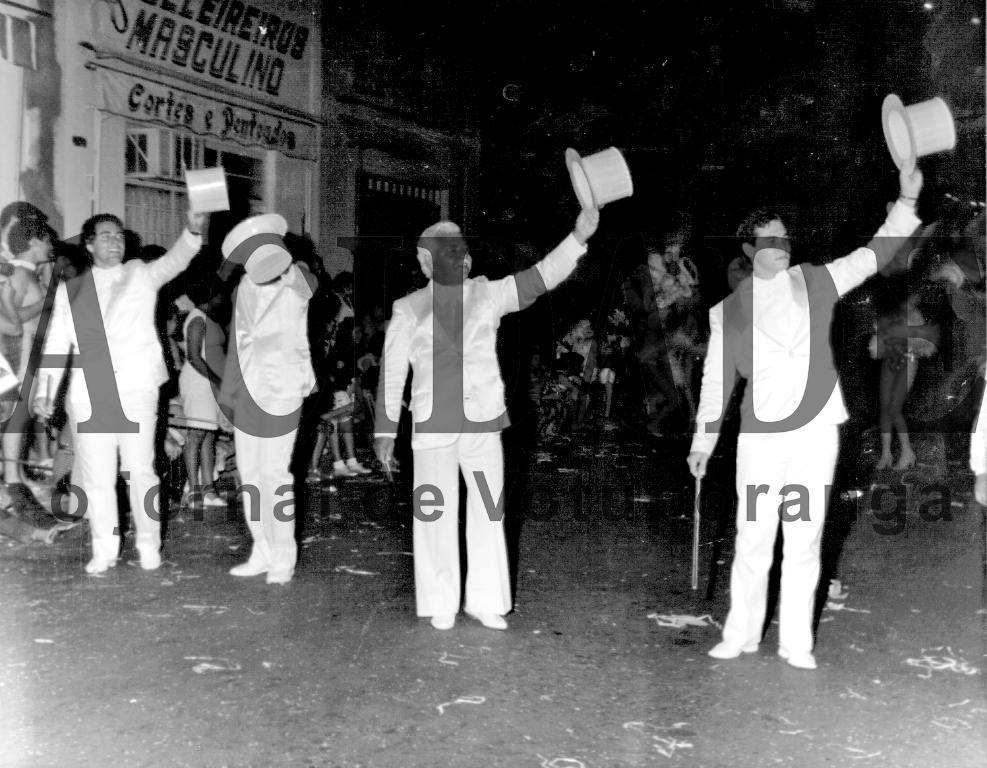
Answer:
(339, 368)
(31, 243)
(199, 383)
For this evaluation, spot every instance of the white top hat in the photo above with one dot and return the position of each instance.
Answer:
(916, 131)
(258, 244)
(599, 179)
(207, 190)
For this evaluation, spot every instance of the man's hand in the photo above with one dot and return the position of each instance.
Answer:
(196, 222)
(697, 464)
(586, 224)
(980, 489)
(384, 448)
(911, 186)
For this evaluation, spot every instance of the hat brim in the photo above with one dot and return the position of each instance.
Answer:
(580, 182)
(272, 223)
(898, 133)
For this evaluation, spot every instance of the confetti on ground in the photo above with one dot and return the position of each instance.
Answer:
(959, 703)
(951, 723)
(836, 591)
(256, 613)
(643, 499)
(567, 469)
(43, 640)
(560, 762)
(208, 666)
(664, 744)
(543, 456)
(217, 610)
(682, 620)
(461, 700)
(939, 663)
(863, 755)
(354, 570)
(831, 606)
(409, 554)
(446, 656)
(850, 694)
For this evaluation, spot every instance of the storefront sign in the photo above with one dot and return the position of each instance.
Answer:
(256, 47)
(146, 100)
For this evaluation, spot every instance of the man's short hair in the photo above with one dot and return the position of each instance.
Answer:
(746, 232)
(89, 228)
(442, 229)
(21, 211)
(26, 230)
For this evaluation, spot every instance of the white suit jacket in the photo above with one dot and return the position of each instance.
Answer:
(411, 337)
(127, 296)
(272, 359)
(777, 373)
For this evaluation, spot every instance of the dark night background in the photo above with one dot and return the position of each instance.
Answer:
(717, 109)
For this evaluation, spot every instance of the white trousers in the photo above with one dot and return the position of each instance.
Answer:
(264, 465)
(95, 472)
(436, 542)
(805, 457)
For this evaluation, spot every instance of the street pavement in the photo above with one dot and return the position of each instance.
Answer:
(604, 662)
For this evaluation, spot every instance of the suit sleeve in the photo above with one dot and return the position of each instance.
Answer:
(978, 440)
(851, 270)
(394, 370)
(300, 281)
(717, 369)
(173, 263)
(520, 290)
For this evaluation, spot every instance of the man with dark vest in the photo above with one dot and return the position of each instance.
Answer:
(774, 331)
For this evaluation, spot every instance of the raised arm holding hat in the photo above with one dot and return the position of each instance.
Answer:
(774, 331)
(113, 303)
(447, 333)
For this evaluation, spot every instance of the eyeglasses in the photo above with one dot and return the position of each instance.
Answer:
(110, 237)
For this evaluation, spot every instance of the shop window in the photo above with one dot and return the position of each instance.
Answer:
(155, 198)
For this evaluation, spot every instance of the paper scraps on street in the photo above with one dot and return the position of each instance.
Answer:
(354, 570)
(682, 620)
(461, 700)
(931, 663)
(662, 742)
(212, 664)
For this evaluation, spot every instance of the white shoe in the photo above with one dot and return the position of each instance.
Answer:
(356, 467)
(800, 660)
(249, 569)
(489, 620)
(280, 575)
(727, 650)
(339, 469)
(99, 566)
(444, 621)
(151, 562)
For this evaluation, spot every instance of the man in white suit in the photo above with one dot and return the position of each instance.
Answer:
(447, 332)
(267, 376)
(106, 314)
(773, 331)
(978, 450)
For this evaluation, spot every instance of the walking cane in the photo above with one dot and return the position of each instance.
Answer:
(695, 537)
